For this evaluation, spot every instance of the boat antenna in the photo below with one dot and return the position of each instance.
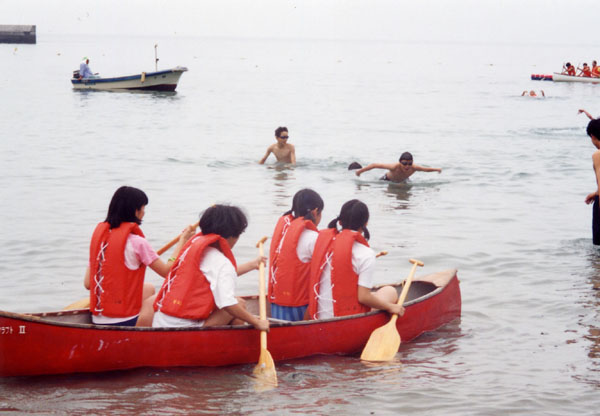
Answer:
(156, 57)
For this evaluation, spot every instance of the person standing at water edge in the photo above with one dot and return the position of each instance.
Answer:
(85, 71)
(398, 172)
(283, 151)
(593, 130)
(119, 254)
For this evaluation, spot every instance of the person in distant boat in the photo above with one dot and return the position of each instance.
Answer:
(586, 71)
(342, 269)
(595, 70)
(283, 151)
(593, 130)
(119, 254)
(85, 71)
(398, 172)
(568, 69)
(200, 288)
(532, 93)
(581, 110)
(290, 254)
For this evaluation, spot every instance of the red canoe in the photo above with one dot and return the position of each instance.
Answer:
(66, 341)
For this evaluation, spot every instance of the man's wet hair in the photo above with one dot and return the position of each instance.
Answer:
(354, 165)
(405, 156)
(593, 128)
(280, 130)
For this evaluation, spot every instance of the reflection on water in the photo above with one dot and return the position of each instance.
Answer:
(284, 175)
(590, 321)
(400, 191)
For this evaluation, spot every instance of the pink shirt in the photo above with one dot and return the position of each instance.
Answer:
(138, 251)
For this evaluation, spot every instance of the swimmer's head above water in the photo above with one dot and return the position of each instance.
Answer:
(406, 158)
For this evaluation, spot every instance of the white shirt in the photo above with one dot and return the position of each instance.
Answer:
(363, 264)
(221, 276)
(306, 245)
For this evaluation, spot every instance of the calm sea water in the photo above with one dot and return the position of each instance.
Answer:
(507, 211)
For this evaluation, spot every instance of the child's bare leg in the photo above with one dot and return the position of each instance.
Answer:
(147, 311)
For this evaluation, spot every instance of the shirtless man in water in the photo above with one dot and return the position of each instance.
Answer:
(283, 151)
(398, 172)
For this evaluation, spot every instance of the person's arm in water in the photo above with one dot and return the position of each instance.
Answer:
(388, 166)
(293, 154)
(596, 159)
(581, 110)
(269, 150)
(424, 169)
(367, 298)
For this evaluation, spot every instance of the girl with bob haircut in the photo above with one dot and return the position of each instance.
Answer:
(119, 254)
(200, 288)
(290, 254)
(342, 269)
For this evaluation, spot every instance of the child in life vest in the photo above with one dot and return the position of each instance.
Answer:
(119, 254)
(342, 269)
(290, 255)
(200, 288)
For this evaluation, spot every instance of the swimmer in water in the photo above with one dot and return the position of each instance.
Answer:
(398, 172)
(532, 93)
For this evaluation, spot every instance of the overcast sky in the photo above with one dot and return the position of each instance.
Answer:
(543, 21)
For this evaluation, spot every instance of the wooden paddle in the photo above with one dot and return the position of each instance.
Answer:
(381, 253)
(84, 303)
(385, 340)
(265, 369)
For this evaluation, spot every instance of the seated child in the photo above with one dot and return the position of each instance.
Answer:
(290, 255)
(342, 269)
(119, 254)
(200, 288)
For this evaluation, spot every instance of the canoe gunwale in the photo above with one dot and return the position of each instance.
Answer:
(46, 317)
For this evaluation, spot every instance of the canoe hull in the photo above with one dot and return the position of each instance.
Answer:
(39, 344)
(152, 81)
(570, 78)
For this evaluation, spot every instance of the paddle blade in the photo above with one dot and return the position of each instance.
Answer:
(80, 304)
(265, 373)
(383, 343)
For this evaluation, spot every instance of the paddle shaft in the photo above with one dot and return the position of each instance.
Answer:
(262, 297)
(407, 283)
(173, 242)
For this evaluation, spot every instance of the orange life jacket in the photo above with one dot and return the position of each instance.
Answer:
(596, 70)
(337, 249)
(186, 292)
(571, 70)
(290, 276)
(587, 72)
(280, 229)
(115, 290)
